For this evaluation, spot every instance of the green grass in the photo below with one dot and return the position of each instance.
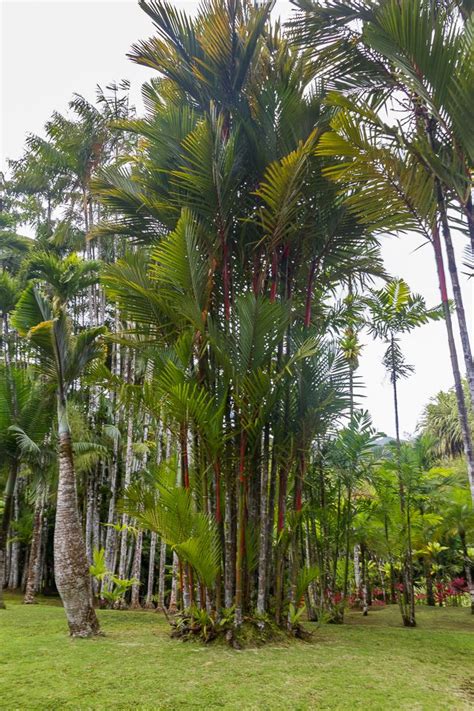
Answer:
(369, 663)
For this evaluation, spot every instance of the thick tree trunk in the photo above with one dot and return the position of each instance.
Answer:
(32, 581)
(71, 570)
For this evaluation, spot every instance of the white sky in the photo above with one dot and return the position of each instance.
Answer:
(51, 49)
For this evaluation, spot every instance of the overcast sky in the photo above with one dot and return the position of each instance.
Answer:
(49, 50)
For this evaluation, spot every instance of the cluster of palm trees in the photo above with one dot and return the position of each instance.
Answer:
(181, 338)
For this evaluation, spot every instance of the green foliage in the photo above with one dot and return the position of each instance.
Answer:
(116, 588)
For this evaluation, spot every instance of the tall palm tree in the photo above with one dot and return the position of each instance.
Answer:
(418, 55)
(393, 311)
(41, 315)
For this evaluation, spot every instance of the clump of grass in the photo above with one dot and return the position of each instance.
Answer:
(200, 625)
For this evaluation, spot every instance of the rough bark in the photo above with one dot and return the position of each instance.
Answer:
(71, 570)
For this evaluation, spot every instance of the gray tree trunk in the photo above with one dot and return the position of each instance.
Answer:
(136, 569)
(71, 570)
(126, 483)
(5, 525)
(461, 403)
(161, 577)
(151, 572)
(14, 571)
(32, 581)
(111, 534)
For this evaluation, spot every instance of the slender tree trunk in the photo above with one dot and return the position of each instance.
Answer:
(459, 303)
(241, 524)
(161, 577)
(14, 573)
(111, 535)
(173, 606)
(136, 569)
(462, 410)
(229, 563)
(71, 570)
(262, 561)
(365, 604)
(90, 497)
(357, 575)
(151, 572)
(347, 543)
(430, 600)
(271, 518)
(310, 593)
(408, 608)
(5, 523)
(126, 483)
(32, 580)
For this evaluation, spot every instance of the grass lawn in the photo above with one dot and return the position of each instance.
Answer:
(369, 663)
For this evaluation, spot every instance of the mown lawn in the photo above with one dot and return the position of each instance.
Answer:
(369, 663)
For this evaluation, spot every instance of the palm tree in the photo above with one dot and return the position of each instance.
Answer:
(247, 242)
(352, 456)
(440, 420)
(41, 316)
(418, 54)
(393, 311)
